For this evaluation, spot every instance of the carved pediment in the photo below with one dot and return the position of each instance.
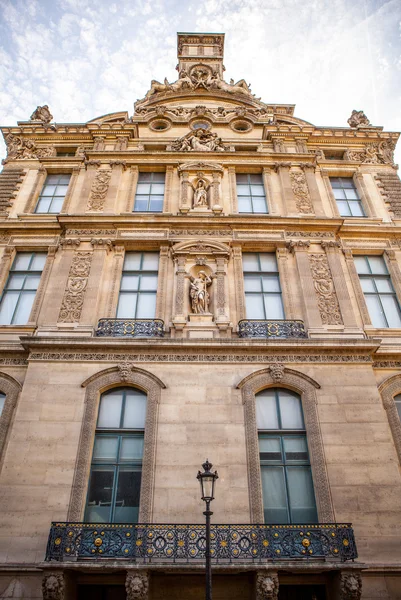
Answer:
(200, 166)
(197, 247)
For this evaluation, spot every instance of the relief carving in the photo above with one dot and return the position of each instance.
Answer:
(326, 297)
(381, 153)
(99, 189)
(200, 140)
(19, 148)
(42, 113)
(53, 586)
(198, 293)
(301, 192)
(350, 586)
(71, 307)
(277, 372)
(358, 119)
(137, 585)
(266, 586)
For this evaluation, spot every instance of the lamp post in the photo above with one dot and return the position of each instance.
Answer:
(207, 479)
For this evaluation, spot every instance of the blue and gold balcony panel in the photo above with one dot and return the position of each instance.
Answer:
(186, 543)
(130, 328)
(279, 328)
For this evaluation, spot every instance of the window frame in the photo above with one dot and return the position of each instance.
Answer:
(377, 294)
(40, 196)
(25, 273)
(349, 202)
(262, 293)
(149, 195)
(249, 195)
(138, 291)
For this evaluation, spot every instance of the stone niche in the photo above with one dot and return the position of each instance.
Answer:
(200, 188)
(201, 296)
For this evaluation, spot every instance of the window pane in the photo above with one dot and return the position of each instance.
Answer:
(270, 449)
(32, 282)
(244, 204)
(301, 495)
(100, 495)
(361, 265)
(38, 261)
(398, 407)
(132, 261)
(274, 306)
(110, 409)
(131, 448)
(250, 262)
(274, 495)
(150, 261)
(257, 190)
(127, 499)
(24, 307)
(56, 205)
(21, 261)
(143, 189)
(105, 448)
(243, 190)
(135, 410)
(343, 209)
(15, 282)
(295, 449)
(7, 307)
(351, 194)
(158, 189)
(377, 265)
(156, 204)
(268, 261)
(2, 401)
(368, 285)
(145, 177)
(266, 410)
(126, 306)
(241, 178)
(253, 283)
(259, 205)
(160, 177)
(356, 209)
(141, 203)
(146, 308)
(48, 190)
(256, 178)
(271, 283)
(291, 410)
(43, 205)
(148, 282)
(339, 194)
(391, 310)
(375, 311)
(347, 182)
(384, 285)
(254, 306)
(129, 282)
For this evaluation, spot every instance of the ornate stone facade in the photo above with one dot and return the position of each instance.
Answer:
(74, 295)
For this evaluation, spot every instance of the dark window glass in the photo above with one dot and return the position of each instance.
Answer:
(381, 299)
(115, 479)
(53, 193)
(149, 192)
(20, 290)
(288, 495)
(251, 193)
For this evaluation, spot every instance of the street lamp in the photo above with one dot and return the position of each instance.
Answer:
(207, 479)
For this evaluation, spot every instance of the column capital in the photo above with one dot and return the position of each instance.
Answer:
(330, 244)
(298, 245)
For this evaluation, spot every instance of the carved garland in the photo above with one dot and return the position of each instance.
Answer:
(99, 189)
(306, 387)
(71, 307)
(388, 389)
(301, 192)
(125, 374)
(327, 301)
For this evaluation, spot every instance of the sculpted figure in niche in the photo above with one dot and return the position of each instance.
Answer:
(200, 194)
(198, 293)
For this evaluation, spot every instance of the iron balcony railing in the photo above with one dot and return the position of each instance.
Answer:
(130, 328)
(186, 543)
(279, 328)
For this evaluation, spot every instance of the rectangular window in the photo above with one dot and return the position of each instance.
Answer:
(348, 201)
(138, 288)
(263, 297)
(378, 290)
(53, 193)
(287, 486)
(251, 193)
(149, 192)
(22, 283)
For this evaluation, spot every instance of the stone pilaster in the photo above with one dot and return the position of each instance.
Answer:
(239, 283)
(367, 203)
(329, 190)
(215, 194)
(310, 176)
(289, 200)
(47, 269)
(267, 182)
(222, 320)
(116, 271)
(357, 287)
(5, 264)
(233, 190)
(179, 319)
(131, 189)
(185, 203)
(40, 179)
(162, 282)
(344, 300)
(310, 305)
(71, 189)
(395, 273)
(285, 282)
(168, 188)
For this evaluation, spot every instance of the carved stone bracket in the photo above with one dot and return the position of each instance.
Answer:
(350, 586)
(266, 585)
(54, 586)
(137, 585)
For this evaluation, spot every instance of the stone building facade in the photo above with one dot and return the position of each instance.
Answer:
(210, 277)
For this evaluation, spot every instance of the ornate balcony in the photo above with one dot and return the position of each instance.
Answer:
(186, 543)
(259, 328)
(130, 328)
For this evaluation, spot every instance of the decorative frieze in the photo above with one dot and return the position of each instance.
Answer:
(202, 232)
(301, 192)
(71, 307)
(99, 189)
(323, 283)
(19, 148)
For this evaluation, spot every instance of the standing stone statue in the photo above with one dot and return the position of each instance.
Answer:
(42, 113)
(200, 194)
(198, 293)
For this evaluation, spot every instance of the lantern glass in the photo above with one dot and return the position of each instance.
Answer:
(208, 486)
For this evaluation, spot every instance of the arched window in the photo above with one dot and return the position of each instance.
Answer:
(116, 469)
(287, 487)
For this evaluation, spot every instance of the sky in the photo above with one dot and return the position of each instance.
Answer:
(86, 58)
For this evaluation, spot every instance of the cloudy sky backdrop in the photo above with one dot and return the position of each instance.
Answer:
(85, 58)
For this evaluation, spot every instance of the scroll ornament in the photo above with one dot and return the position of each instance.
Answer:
(326, 297)
(18, 148)
(99, 189)
(301, 192)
